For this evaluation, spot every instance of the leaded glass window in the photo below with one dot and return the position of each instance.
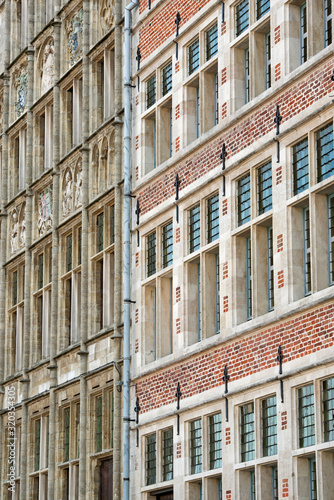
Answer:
(212, 211)
(67, 435)
(247, 82)
(216, 104)
(300, 166)
(217, 293)
(244, 198)
(196, 446)
(79, 245)
(241, 17)
(247, 432)
(215, 440)
(274, 478)
(194, 228)
(328, 22)
(99, 423)
(328, 408)
(313, 478)
(331, 238)
(167, 455)
(307, 251)
(252, 485)
(193, 57)
(249, 307)
(77, 430)
(211, 42)
(303, 33)
(14, 288)
(267, 60)
(112, 224)
(37, 444)
(100, 232)
(270, 271)
(151, 451)
(262, 7)
(167, 245)
(306, 416)
(269, 426)
(69, 253)
(111, 418)
(325, 152)
(40, 270)
(151, 253)
(151, 91)
(264, 188)
(167, 75)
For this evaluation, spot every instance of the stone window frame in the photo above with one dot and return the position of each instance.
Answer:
(159, 460)
(204, 304)
(42, 297)
(70, 282)
(18, 158)
(43, 138)
(15, 311)
(107, 421)
(253, 232)
(39, 476)
(103, 65)
(158, 297)
(315, 196)
(70, 467)
(71, 95)
(102, 268)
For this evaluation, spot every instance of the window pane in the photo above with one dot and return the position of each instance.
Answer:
(242, 17)
(270, 257)
(151, 254)
(167, 75)
(151, 459)
(213, 218)
(247, 86)
(196, 446)
(300, 166)
(269, 426)
(167, 455)
(264, 188)
(211, 42)
(37, 444)
(215, 440)
(307, 250)
(100, 235)
(67, 435)
(14, 288)
(247, 432)
(262, 6)
(303, 34)
(328, 408)
(306, 416)
(325, 152)
(151, 92)
(244, 207)
(99, 424)
(40, 270)
(313, 478)
(194, 228)
(69, 253)
(267, 60)
(249, 278)
(328, 22)
(193, 57)
(167, 245)
(217, 293)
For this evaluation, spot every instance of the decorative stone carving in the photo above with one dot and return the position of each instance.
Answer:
(21, 84)
(14, 231)
(74, 29)
(44, 211)
(48, 66)
(67, 194)
(107, 11)
(23, 227)
(78, 192)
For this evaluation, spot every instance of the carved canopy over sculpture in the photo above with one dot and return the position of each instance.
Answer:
(47, 65)
(107, 12)
(74, 29)
(20, 82)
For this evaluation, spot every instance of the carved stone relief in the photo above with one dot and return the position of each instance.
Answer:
(14, 231)
(44, 211)
(67, 194)
(74, 29)
(20, 84)
(23, 226)
(78, 192)
(48, 66)
(107, 11)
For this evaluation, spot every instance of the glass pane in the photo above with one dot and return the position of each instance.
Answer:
(244, 208)
(242, 17)
(194, 228)
(306, 416)
(151, 92)
(167, 75)
(193, 57)
(213, 218)
(264, 188)
(151, 254)
(300, 166)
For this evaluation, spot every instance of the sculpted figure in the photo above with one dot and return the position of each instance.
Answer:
(67, 195)
(23, 229)
(14, 233)
(48, 67)
(78, 193)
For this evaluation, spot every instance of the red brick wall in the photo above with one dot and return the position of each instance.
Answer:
(298, 336)
(246, 132)
(157, 29)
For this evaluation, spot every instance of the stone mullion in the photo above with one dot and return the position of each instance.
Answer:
(83, 353)
(117, 342)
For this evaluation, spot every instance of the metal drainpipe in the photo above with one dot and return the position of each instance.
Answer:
(127, 250)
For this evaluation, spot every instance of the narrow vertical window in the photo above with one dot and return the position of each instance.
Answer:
(325, 152)
(199, 311)
(40, 270)
(193, 57)
(328, 22)
(151, 459)
(67, 435)
(197, 113)
(111, 419)
(313, 478)
(112, 224)
(274, 479)
(217, 294)
(155, 322)
(37, 444)
(249, 278)
(167, 75)
(212, 210)
(154, 144)
(211, 42)
(167, 455)
(270, 270)
(252, 485)
(77, 430)
(244, 205)
(151, 92)
(300, 166)
(247, 432)
(79, 245)
(269, 426)
(328, 408)
(22, 158)
(100, 232)
(216, 105)
(262, 7)
(241, 17)
(167, 245)
(195, 446)
(331, 238)
(306, 416)
(264, 188)
(267, 60)
(194, 228)
(14, 288)
(307, 251)
(215, 440)
(99, 423)
(247, 86)
(151, 254)
(69, 253)
(303, 33)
